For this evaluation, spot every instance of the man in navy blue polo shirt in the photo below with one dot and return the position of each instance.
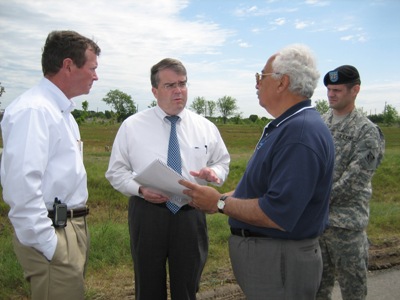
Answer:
(280, 206)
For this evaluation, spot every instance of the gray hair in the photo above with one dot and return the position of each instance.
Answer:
(298, 62)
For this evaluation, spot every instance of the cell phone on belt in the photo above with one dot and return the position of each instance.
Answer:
(60, 213)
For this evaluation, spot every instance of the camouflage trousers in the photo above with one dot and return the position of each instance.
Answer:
(345, 258)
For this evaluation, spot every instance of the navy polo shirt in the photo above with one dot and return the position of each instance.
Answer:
(290, 173)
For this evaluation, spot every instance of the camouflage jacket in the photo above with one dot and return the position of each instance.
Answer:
(359, 146)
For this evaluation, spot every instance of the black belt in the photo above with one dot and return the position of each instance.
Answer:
(164, 205)
(247, 233)
(72, 213)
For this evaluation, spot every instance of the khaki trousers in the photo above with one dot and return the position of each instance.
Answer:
(62, 278)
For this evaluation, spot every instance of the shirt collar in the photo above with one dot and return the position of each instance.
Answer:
(295, 109)
(161, 114)
(64, 104)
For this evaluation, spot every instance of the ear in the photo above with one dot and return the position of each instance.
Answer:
(284, 82)
(67, 64)
(355, 89)
(155, 92)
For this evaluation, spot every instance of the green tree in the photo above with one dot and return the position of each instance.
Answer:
(211, 105)
(390, 114)
(85, 106)
(253, 118)
(152, 104)
(84, 115)
(321, 106)
(376, 118)
(237, 118)
(122, 103)
(227, 107)
(108, 114)
(198, 105)
(2, 90)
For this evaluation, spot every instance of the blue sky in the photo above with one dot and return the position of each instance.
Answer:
(222, 43)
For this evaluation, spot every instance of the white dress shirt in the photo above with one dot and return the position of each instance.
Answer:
(144, 137)
(42, 159)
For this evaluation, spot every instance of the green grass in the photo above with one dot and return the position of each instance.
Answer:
(111, 243)
(110, 260)
(11, 280)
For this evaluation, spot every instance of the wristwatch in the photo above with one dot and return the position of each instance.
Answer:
(221, 203)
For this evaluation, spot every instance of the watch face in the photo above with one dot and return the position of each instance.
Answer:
(221, 204)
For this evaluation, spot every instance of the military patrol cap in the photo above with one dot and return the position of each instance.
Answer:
(342, 75)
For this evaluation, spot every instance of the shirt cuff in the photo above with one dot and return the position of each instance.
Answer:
(49, 251)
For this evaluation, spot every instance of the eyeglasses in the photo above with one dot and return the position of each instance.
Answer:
(259, 76)
(171, 86)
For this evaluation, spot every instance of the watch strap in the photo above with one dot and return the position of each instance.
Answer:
(223, 198)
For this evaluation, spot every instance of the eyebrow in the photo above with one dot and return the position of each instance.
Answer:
(179, 81)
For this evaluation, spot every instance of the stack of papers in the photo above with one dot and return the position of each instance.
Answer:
(159, 177)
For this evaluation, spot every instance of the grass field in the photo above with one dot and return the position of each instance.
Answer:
(110, 274)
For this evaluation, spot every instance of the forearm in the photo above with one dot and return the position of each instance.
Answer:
(34, 229)
(248, 211)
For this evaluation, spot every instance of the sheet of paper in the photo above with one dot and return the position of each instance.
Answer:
(161, 178)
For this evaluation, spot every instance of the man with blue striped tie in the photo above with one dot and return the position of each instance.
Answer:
(161, 232)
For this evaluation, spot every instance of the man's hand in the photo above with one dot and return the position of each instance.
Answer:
(152, 196)
(207, 174)
(204, 198)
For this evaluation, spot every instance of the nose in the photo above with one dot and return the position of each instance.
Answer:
(179, 89)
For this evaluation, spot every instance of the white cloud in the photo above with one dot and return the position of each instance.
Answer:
(317, 3)
(347, 38)
(222, 43)
(244, 44)
(133, 36)
(343, 28)
(245, 11)
(279, 21)
(302, 24)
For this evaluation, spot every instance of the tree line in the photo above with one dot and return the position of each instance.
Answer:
(124, 106)
(389, 116)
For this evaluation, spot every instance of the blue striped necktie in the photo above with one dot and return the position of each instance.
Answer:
(174, 156)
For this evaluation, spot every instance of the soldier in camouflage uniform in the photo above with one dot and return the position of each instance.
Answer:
(359, 146)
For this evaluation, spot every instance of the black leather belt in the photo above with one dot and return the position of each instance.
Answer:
(246, 233)
(164, 205)
(73, 213)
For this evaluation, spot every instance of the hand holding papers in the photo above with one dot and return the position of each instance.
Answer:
(160, 177)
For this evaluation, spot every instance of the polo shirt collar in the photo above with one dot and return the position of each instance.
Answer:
(295, 109)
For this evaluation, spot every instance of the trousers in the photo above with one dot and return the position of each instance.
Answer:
(345, 258)
(62, 278)
(276, 269)
(161, 239)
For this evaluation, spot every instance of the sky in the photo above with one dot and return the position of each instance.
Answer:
(222, 44)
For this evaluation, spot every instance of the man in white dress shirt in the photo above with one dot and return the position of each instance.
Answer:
(42, 173)
(157, 234)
